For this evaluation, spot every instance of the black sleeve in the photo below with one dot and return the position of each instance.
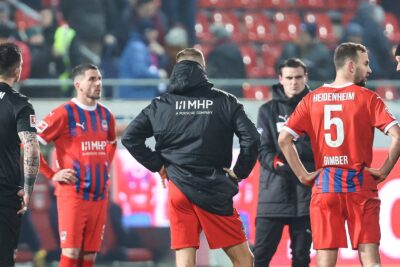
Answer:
(267, 147)
(24, 115)
(134, 139)
(249, 141)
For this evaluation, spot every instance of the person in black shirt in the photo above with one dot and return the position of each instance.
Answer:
(17, 119)
(193, 125)
(282, 199)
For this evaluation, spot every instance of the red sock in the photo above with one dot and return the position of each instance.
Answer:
(88, 263)
(67, 262)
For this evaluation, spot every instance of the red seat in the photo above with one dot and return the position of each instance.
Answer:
(258, 27)
(325, 27)
(231, 22)
(202, 27)
(388, 92)
(24, 21)
(246, 4)
(342, 4)
(311, 4)
(250, 61)
(391, 27)
(277, 4)
(287, 26)
(257, 92)
(212, 3)
(346, 18)
(270, 53)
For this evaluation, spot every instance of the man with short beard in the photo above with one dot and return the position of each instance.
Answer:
(340, 119)
(83, 132)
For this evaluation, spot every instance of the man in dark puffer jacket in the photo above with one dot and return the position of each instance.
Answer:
(282, 199)
(193, 125)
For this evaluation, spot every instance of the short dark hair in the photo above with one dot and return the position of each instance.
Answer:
(82, 68)
(10, 59)
(292, 63)
(347, 51)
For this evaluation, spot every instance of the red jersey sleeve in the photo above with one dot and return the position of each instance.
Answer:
(51, 126)
(299, 122)
(381, 118)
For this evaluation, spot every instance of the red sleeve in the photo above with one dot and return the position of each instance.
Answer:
(299, 121)
(112, 139)
(51, 127)
(45, 168)
(381, 118)
(48, 130)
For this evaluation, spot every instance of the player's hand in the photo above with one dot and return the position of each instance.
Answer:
(377, 174)
(65, 176)
(231, 173)
(310, 177)
(164, 176)
(24, 203)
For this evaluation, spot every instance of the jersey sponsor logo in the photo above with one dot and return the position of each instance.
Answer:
(2, 94)
(94, 145)
(82, 125)
(41, 126)
(32, 120)
(63, 236)
(104, 125)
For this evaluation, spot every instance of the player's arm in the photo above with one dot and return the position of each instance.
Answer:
(285, 141)
(392, 157)
(31, 162)
(112, 140)
(134, 139)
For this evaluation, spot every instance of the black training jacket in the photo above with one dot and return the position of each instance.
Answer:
(193, 125)
(280, 192)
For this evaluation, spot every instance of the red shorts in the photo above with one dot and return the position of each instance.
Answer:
(187, 220)
(330, 211)
(81, 223)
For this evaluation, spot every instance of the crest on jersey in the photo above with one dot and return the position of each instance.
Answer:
(41, 126)
(63, 236)
(32, 120)
(104, 125)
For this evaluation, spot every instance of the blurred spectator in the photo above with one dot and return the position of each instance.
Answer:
(5, 20)
(94, 24)
(397, 57)
(312, 52)
(49, 24)
(142, 12)
(6, 36)
(370, 17)
(182, 13)
(353, 33)
(175, 40)
(391, 6)
(225, 61)
(139, 61)
(43, 64)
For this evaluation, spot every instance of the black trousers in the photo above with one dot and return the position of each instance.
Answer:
(269, 234)
(10, 224)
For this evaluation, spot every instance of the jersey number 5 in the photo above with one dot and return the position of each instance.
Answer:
(329, 121)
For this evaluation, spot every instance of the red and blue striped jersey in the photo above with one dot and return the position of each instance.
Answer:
(85, 140)
(340, 122)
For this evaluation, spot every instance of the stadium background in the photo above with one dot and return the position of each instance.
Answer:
(260, 28)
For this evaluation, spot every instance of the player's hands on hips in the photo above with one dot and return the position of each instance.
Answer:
(231, 173)
(25, 201)
(65, 176)
(164, 176)
(310, 177)
(377, 174)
